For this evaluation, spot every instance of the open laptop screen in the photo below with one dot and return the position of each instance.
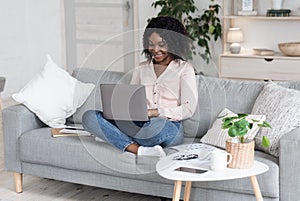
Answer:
(124, 102)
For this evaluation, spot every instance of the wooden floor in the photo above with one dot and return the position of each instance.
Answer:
(37, 189)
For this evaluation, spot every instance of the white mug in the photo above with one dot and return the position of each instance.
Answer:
(219, 160)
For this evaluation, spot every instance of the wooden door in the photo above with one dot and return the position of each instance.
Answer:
(98, 34)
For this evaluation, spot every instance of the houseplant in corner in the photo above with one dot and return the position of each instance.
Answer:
(241, 144)
(201, 28)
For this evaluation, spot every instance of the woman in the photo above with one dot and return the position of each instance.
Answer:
(170, 89)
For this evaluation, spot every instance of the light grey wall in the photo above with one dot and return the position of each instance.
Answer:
(30, 29)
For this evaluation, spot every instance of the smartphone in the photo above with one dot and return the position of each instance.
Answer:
(191, 170)
(185, 157)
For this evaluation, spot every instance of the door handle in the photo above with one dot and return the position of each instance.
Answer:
(269, 59)
(126, 7)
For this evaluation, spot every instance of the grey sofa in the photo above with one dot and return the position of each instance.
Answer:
(30, 149)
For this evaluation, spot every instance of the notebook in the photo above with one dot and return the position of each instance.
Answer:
(124, 102)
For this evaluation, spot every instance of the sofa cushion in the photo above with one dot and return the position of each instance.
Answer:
(82, 153)
(282, 108)
(85, 154)
(53, 95)
(217, 136)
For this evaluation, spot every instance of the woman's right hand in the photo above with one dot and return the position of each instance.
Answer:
(153, 113)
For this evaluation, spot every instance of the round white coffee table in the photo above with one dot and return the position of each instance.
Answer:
(166, 168)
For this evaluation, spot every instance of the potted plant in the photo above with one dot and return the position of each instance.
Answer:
(241, 145)
(201, 28)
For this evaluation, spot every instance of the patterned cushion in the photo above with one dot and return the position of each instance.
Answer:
(217, 136)
(282, 109)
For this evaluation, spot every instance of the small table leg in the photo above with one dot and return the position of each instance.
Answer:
(177, 189)
(256, 188)
(187, 191)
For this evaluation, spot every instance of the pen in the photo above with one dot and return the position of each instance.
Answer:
(74, 128)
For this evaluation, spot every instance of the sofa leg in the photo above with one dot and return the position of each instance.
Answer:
(18, 182)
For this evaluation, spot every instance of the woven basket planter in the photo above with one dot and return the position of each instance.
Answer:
(242, 154)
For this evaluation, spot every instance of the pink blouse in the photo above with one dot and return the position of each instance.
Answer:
(174, 93)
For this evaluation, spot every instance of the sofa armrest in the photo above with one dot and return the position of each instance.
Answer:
(16, 120)
(289, 162)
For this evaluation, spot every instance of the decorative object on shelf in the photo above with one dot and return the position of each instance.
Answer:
(278, 13)
(263, 52)
(290, 49)
(246, 7)
(201, 28)
(277, 4)
(235, 37)
(241, 144)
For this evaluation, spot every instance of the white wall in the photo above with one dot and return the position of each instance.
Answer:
(29, 30)
(145, 11)
(32, 28)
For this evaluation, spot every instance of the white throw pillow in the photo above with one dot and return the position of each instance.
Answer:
(282, 109)
(53, 95)
(217, 136)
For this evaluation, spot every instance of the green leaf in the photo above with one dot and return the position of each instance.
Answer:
(242, 131)
(225, 126)
(219, 117)
(241, 115)
(229, 118)
(265, 142)
(265, 124)
(232, 132)
(226, 121)
(243, 123)
(211, 29)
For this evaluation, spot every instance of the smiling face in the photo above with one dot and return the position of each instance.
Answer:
(158, 49)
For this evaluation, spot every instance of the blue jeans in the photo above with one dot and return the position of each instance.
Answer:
(156, 131)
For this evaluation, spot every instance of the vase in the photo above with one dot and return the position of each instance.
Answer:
(242, 154)
(276, 4)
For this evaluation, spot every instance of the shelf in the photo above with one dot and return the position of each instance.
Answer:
(261, 17)
(258, 68)
(250, 66)
(249, 54)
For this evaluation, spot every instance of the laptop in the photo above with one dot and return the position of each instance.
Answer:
(124, 102)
